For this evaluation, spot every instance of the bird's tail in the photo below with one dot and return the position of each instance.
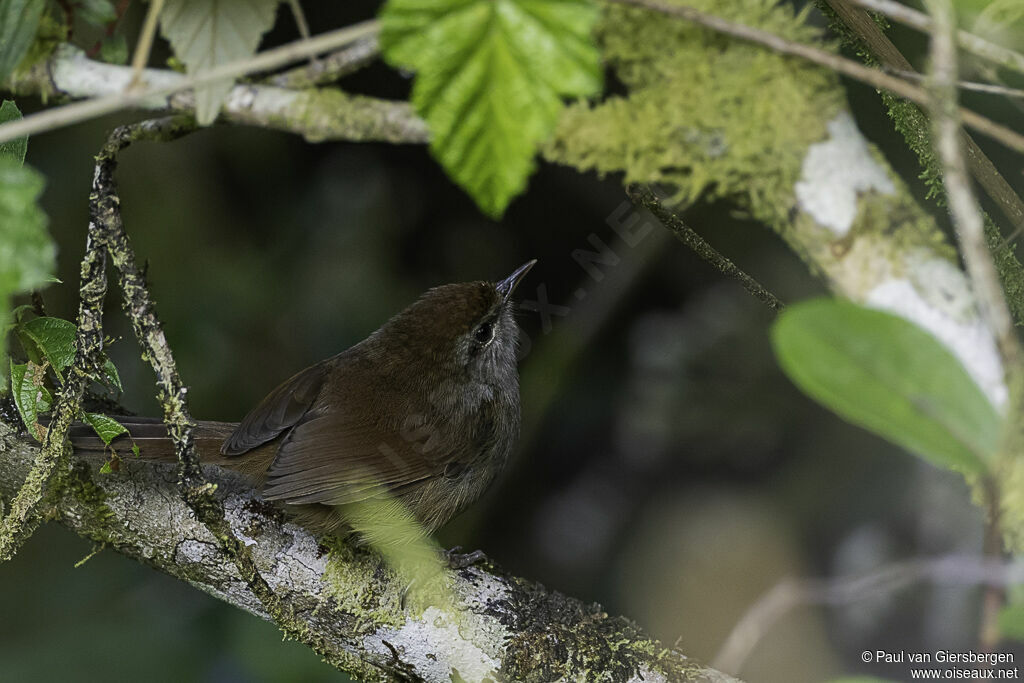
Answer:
(153, 442)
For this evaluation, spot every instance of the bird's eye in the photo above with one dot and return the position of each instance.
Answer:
(484, 333)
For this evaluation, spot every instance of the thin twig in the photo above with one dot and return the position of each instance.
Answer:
(967, 220)
(644, 197)
(987, 88)
(968, 41)
(331, 67)
(992, 547)
(963, 206)
(873, 77)
(300, 19)
(791, 593)
(145, 44)
(264, 61)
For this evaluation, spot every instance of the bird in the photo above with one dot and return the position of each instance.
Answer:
(424, 411)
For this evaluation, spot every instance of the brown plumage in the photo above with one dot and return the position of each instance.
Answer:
(424, 410)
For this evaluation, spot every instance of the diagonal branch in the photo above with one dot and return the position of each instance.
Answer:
(643, 196)
(844, 590)
(500, 626)
(22, 517)
(847, 67)
(876, 43)
(106, 232)
(968, 41)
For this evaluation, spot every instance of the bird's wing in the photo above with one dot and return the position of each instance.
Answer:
(284, 407)
(340, 457)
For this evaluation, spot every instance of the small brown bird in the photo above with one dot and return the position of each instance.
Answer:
(425, 410)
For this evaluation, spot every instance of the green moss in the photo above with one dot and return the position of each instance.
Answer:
(362, 585)
(562, 639)
(77, 481)
(49, 35)
(706, 114)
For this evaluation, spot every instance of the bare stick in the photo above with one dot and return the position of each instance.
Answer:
(145, 44)
(264, 61)
(644, 197)
(987, 88)
(963, 206)
(844, 590)
(330, 68)
(968, 41)
(873, 77)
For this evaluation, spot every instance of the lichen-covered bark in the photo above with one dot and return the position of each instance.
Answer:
(498, 627)
(317, 114)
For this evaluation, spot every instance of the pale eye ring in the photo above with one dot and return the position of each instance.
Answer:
(484, 333)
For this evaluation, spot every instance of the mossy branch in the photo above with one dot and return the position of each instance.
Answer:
(866, 37)
(500, 626)
(106, 233)
(646, 198)
(22, 513)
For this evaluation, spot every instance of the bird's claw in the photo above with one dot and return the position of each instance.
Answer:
(460, 560)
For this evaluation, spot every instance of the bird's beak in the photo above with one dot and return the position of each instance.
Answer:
(508, 285)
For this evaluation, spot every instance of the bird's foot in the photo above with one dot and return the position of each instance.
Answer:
(459, 560)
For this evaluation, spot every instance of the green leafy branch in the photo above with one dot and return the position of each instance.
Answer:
(49, 344)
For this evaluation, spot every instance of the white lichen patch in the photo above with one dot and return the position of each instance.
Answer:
(79, 76)
(262, 101)
(936, 296)
(439, 645)
(835, 171)
(290, 559)
(191, 551)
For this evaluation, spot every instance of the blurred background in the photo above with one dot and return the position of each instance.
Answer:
(667, 469)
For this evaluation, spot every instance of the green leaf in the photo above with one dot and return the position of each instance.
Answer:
(96, 12)
(31, 397)
(490, 75)
(107, 428)
(19, 20)
(17, 148)
(889, 376)
(110, 372)
(26, 250)
(114, 50)
(205, 33)
(55, 339)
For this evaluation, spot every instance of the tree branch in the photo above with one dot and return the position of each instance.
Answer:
(846, 67)
(844, 590)
(500, 626)
(317, 115)
(876, 43)
(963, 205)
(330, 68)
(166, 83)
(645, 197)
(968, 41)
(107, 236)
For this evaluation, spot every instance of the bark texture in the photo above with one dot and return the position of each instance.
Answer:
(498, 627)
